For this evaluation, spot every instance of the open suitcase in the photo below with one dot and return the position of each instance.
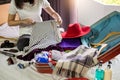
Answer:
(105, 31)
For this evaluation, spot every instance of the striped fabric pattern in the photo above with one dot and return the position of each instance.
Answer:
(76, 63)
(43, 35)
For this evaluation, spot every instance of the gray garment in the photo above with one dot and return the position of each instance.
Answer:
(43, 35)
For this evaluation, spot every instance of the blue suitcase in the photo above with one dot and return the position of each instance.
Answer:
(105, 31)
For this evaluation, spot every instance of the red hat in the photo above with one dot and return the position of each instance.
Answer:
(75, 30)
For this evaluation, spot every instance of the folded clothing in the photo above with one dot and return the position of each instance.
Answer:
(70, 43)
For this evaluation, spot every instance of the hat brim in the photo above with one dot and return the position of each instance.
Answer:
(85, 30)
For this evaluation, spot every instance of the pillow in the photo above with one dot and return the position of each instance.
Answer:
(9, 32)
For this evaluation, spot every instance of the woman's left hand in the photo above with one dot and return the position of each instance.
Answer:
(59, 21)
(53, 14)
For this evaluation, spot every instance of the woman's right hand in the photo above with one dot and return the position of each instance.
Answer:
(23, 22)
(27, 22)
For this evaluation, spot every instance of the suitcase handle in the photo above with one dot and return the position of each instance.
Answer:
(95, 59)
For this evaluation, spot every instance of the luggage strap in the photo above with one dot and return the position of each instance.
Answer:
(51, 65)
(106, 39)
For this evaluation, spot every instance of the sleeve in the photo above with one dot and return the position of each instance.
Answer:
(12, 8)
(45, 4)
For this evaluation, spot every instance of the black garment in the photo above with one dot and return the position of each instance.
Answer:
(23, 41)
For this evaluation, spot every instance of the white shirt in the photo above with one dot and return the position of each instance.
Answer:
(29, 11)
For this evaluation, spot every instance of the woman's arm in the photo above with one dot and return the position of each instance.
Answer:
(13, 22)
(53, 14)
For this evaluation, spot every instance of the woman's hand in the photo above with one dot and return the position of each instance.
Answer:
(24, 22)
(54, 14)
(27, 22)
(59, 20)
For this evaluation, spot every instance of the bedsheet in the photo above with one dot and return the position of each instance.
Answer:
(13, 72)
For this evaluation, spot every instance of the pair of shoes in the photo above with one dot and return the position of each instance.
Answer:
(7, 44)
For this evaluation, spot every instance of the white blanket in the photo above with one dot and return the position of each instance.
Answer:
(9, 32)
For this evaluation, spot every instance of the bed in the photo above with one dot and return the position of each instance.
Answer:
(13, 72)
